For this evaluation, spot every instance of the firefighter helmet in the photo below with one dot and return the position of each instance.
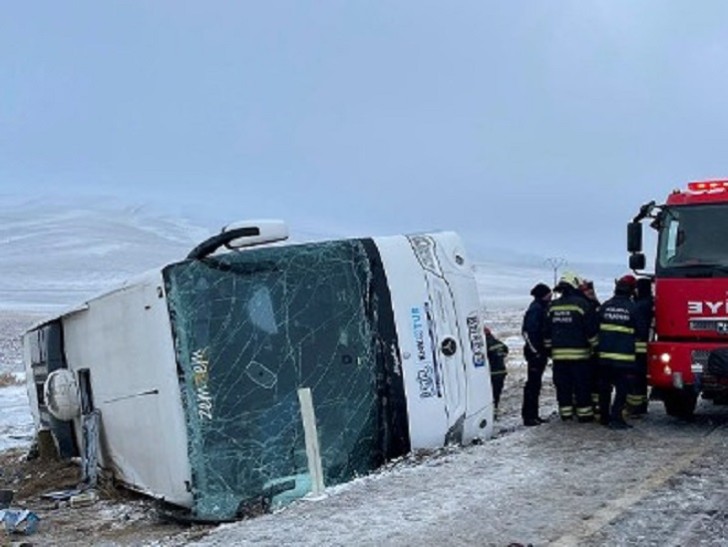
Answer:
(627, 280)
(571, 279)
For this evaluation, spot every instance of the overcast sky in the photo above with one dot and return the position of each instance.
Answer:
(534, 125)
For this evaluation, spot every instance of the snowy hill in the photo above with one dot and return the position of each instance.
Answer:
(56, 254)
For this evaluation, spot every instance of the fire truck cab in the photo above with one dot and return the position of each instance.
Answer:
(688, 351)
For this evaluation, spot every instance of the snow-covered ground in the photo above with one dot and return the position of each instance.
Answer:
(662, 483)
(16, 424)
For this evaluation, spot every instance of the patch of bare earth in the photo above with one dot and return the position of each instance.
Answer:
(118, 517)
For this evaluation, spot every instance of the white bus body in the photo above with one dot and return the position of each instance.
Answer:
(195, 368)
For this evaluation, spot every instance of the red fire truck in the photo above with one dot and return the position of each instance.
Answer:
(688, 352)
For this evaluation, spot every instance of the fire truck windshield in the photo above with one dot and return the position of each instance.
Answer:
(693, 238)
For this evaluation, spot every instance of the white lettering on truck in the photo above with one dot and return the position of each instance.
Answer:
(699, 307)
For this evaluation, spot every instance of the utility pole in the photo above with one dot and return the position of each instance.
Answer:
(555, 262)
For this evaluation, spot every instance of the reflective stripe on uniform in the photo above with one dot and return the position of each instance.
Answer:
(640, 347)
(616, 328)
(584, 411)
(565, 354)
(593, 341)
(634, 400)
(498, 372)
(566, 307)
(617, 356)
(566, 411)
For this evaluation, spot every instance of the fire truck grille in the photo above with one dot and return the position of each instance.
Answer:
(700, 357)
(712, 387)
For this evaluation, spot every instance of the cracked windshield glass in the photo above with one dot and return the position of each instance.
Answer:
(253, 327)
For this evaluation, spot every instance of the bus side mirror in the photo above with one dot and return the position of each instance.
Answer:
(242, 234)
(637, 261)
(634, 237)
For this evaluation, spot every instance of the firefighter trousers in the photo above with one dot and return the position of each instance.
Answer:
(637, 396)
(572, 380)
(595, 383)
(532, 390)
(621, 378)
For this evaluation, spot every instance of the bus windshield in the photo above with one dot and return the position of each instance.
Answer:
(693, 237)
(253, 327)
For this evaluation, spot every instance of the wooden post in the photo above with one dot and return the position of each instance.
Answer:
(312, 442)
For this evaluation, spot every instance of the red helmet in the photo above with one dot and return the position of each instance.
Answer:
(628, 279)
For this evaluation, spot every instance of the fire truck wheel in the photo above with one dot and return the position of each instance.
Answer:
(680, 403)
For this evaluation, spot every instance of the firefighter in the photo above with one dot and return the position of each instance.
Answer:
(620, 327)
(637, 398)
(534, 351)
(571, 336)
(587, 287)
(497, 352)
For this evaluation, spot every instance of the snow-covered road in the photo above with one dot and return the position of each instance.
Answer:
(662, 483)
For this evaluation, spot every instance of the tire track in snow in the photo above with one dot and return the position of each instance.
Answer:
(617, 507)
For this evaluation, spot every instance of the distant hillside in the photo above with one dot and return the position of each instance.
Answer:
(508, 282)
(56, 254)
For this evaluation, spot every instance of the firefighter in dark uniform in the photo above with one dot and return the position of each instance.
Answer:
(497, 352)
(637, 398)
(587, 287)
(571, 336)
(620, 327)
(534, 351)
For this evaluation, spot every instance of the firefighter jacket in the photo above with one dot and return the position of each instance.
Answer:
(620, 328)
(594, 303)
(497, 352)
(571, 327)
(533, 326)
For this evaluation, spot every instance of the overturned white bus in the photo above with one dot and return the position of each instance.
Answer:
(197, 369)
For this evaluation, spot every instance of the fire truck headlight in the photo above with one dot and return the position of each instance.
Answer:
(667, 370)
(665, 358)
